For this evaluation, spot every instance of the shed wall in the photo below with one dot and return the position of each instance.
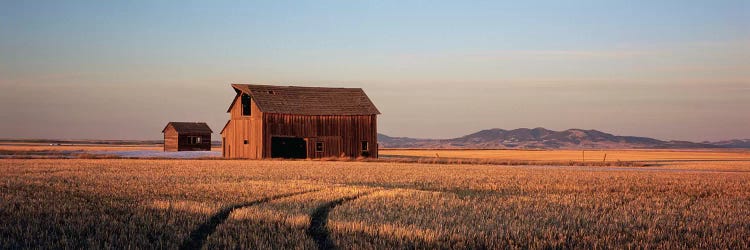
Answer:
(174, 141)
(183, 144)
(170, 139)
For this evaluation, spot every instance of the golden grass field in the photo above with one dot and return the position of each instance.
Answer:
(147, 203)
(580, 155)
(79, 147)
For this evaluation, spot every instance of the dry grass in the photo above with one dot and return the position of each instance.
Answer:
(577, 155)
(70, 151)
(100, 203)
(47, 147)
(31, 147)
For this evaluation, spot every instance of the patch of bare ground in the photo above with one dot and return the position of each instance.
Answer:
(318, 229)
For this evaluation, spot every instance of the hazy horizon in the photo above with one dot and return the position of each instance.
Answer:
(672, 70)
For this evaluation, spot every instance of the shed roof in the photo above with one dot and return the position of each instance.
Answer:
(308, 100)
(189, 127)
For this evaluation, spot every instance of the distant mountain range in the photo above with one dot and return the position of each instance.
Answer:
(541, 138)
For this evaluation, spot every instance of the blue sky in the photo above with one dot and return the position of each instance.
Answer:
(666, 69)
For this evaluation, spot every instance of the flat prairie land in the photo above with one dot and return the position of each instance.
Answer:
(146, 203)
(640, 155)
(82, 147)
(76, 147)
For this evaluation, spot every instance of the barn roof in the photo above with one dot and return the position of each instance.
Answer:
(309, 100)
(189, 127)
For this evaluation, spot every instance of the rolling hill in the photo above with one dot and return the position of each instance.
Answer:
(541, 138)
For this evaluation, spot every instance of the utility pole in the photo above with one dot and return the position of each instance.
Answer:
(583, 156)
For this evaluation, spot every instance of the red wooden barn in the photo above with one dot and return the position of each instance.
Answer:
(299, 122)
(187, 136)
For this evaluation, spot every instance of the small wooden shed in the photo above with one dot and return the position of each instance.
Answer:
(187, 136)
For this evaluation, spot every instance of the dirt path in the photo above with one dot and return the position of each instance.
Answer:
(198, 236)
(318, 229)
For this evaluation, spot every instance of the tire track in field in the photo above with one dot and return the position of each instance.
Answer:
(318, 229)
(199, 235)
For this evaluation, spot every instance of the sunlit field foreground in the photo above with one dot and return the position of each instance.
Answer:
(639, 155)
(131, 203)
(47, 147)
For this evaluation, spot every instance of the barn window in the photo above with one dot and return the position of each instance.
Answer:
(245, 141)
(245, 104)
(319, 146)
(193, 140)
(365, 146)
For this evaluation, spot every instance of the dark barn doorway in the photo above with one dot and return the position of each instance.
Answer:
(288, 147)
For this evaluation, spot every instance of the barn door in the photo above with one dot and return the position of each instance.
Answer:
(288, 147)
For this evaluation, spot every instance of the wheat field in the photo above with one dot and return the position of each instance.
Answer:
(642, 155)
(20, 147)
(139, 203)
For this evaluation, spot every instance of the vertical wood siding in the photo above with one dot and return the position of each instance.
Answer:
(241, 128)
(332, 146)
(184, 145)
(170, 139)
(342, 134)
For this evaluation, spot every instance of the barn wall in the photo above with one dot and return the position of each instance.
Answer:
(342, 135)
(332, 146)
(241, 128)
(236, 111)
